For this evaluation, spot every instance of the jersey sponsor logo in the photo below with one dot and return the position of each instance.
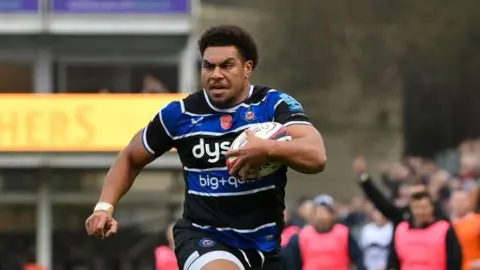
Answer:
(214, 151)
(226, 121)
(214, 182)
(292, 103)
(206, 242)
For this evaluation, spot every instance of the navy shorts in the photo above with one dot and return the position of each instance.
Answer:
(194, 249)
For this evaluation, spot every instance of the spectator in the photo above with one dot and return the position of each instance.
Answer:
(467, 227)
(304, 212)
(289, 230)
(153, 85)
(324, 244)
(357, 216)
(104, 91)
(381, 202)
(393, 180)
(424, 242)
(164, 255)
(375, 239)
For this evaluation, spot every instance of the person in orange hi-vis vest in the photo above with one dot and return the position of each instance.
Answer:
(424, 242)
(467, 228)
(33, 266)
(323, 245)
(164, 255)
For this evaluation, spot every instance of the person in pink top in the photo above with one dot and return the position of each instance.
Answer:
(325, 244)
(289, 230)
(424, 242)
(164, 255)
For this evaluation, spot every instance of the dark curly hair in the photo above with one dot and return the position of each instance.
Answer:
(230, 35)
(421, 195)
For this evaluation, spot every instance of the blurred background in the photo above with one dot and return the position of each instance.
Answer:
(395, 81)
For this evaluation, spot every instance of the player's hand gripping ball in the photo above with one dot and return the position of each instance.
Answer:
(242, 148)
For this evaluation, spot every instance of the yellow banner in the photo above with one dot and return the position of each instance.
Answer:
(75, 122)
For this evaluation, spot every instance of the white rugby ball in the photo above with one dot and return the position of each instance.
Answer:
(267, 131)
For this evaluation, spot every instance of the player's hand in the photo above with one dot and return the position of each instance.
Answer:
(101, 225)
(250, 157)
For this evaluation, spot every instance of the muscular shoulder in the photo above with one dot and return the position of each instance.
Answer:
(281, 107)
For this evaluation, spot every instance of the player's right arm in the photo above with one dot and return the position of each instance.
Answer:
(148, 144)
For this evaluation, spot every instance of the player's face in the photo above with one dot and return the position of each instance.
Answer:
(225, 76)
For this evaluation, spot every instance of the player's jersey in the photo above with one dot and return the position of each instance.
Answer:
(242, 214)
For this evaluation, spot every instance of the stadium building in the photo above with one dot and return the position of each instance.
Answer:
(78, 78)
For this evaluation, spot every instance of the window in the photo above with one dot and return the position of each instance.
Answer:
(154, 78)
(16, 78)
(117, 78)
(91, 79)
(28, 180)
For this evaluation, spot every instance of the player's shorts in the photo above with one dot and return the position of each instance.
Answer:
(194, 249)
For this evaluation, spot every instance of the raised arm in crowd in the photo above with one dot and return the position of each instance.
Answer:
(386, 205)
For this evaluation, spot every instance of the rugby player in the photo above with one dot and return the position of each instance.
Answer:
(229, 222)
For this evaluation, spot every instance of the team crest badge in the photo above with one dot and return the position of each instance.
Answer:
(249, 116)
(226, 121)
(205, 242)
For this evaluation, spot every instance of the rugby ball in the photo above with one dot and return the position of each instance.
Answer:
(267, 131)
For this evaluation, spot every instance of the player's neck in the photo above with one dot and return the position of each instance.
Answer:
(240, 98)
(243, 96)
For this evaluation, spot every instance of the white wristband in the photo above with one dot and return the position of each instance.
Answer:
(104, 206)
(364, 177)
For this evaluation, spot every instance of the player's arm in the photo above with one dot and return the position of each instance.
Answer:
(306, 152)
(148, 144)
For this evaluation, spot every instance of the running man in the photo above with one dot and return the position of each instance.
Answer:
(229, 222)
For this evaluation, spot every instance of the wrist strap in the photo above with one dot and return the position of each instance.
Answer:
(364, 177)
(104, 206)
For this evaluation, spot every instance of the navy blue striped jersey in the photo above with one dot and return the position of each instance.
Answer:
(242, 214)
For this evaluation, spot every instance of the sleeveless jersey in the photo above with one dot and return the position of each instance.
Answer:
(421, 249)
(325, 251)
(242, 214)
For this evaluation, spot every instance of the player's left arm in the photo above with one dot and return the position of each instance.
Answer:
(306, 152)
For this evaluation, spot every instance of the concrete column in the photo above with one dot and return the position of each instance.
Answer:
(44, 226)
(188, 73)
(43, 71)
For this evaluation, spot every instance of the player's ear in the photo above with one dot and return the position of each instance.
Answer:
(247, 68)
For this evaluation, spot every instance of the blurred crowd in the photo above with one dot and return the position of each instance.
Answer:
(373, 219)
